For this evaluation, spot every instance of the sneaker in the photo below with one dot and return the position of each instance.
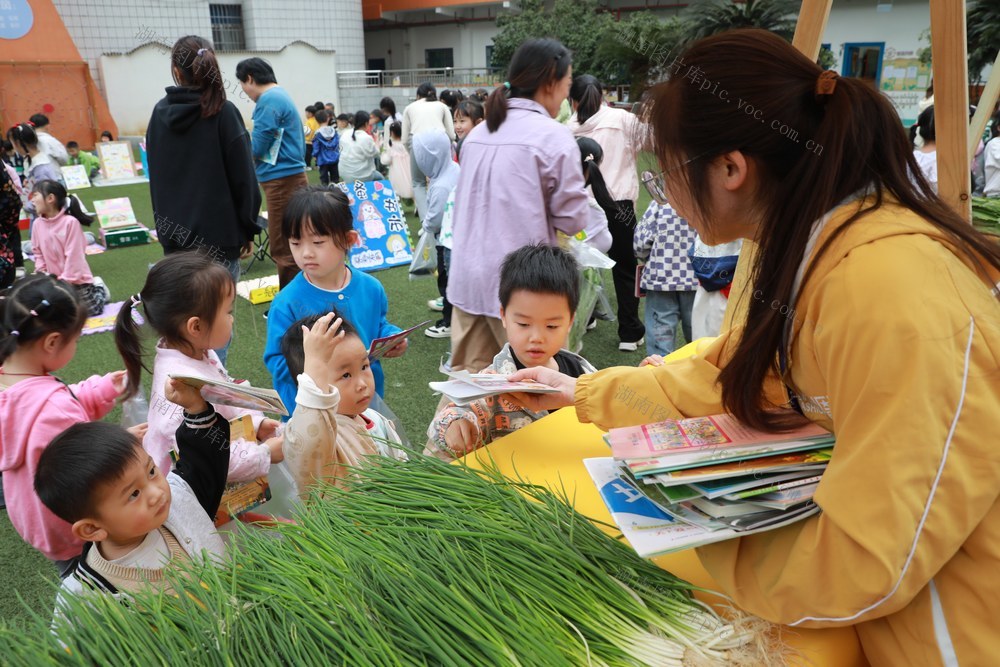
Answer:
(631, 347)
(265, 313)
(104, 288)
(18, 273)
(439, 330)
(436, 304)
(592, 324)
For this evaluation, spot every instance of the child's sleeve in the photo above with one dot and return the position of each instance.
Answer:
(36, 248)
(311, 444)
(278, 320)
(96, 394)
(248, 460)
(203, 462)
(642, 242)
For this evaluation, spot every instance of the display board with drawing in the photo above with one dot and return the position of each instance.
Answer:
(116, 160)
(381, 224)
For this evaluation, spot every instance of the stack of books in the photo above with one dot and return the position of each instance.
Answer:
(689, 482)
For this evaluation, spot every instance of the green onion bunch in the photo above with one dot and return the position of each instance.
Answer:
(416, 563)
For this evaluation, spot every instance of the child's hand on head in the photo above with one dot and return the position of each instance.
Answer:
(318, 345)
(185, 396)
(651, 360)
(461, 437)
(399, 349)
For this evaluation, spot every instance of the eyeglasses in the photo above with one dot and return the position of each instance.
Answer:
(655, 184)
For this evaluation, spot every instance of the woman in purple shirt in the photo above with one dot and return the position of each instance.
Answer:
(520, 183)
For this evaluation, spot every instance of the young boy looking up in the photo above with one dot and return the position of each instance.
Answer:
(333, 428)
(135, 521)
(539, 292)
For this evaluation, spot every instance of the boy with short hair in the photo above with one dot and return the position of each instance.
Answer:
(326, 148)
(86, 158)
(539, 292)
(309, 131)
(136, 521)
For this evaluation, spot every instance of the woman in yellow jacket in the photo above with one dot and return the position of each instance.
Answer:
(873, 312)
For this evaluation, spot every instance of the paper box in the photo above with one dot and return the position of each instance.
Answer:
(125, 236)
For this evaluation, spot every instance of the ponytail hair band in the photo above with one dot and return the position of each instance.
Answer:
(15, 333)
(136, 299)
(202, 51)
(826, 83)
(506, 84)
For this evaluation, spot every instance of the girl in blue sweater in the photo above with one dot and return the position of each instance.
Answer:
(320, 231)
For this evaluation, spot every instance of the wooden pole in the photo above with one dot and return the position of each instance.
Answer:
(808, 38)
(987, 101)
(951, 104)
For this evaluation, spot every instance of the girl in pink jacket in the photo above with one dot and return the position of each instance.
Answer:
(40, 323)
(59, 246)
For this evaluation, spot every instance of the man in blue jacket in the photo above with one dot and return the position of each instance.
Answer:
(279, 149)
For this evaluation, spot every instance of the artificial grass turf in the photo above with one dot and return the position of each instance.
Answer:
(32, 577)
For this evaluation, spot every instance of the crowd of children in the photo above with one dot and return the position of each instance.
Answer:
(111, 507)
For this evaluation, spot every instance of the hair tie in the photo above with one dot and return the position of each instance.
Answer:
(69, 201)
(29, 123)
(201, 52)
(826, 82)
(589, 158)
(33, 312)
(15, 332)
(136, 299)
(506, 84)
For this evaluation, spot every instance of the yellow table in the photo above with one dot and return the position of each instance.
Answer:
(550, 452)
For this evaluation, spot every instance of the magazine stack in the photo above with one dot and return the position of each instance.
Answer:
(684, 483)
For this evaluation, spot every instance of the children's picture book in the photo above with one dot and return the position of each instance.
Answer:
(380, 346)
(240, 497)
(271, 155)
(115, 213)
(236, 394)
(651, 531)
(742, 487)
(116, 160)
(465, 387)
(380, 222)
(75, 176)
(795, 461)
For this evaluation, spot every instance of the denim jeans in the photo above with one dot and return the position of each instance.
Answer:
(663, 310)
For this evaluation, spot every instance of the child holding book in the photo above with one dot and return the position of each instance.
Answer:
(188, 301)
(333, 428)
(320, 231)
(135, 521)
(539, 292)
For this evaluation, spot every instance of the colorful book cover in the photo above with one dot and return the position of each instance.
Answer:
(683, 435)
(115, 213)
(242, 497)
(810, 460)
(380, 346)
(650, 530)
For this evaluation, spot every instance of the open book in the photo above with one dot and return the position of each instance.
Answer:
(238, 395)
(465, 387)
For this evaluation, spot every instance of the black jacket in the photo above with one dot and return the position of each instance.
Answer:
(201, 175)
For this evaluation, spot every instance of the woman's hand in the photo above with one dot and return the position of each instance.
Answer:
(246, 249)
(538, 402)
(651, 360)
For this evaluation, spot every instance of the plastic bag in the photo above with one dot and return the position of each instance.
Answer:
(587, 255)
(424, 262)
(135, 410)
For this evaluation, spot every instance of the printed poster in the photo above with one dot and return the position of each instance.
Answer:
(116, 160)
(379, 220)
(76, 176)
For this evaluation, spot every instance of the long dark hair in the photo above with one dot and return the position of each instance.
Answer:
(388, 105)
(536, 63)
(591, 154)
(361, 118)
(924, 126)
(71, 203)
(179, 286)
(471, 109)
(587, 92)
(194, 58)
(850, 140)
(427, 91)
(23, 136)
(35, 307)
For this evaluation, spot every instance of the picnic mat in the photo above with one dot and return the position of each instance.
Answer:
(106, 320)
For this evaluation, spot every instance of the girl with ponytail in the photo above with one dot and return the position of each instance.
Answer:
(616, 131)
(41, 318)
(521, 183)
(38, 165)
(201, 171)
(873, 312)
(59, 245)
